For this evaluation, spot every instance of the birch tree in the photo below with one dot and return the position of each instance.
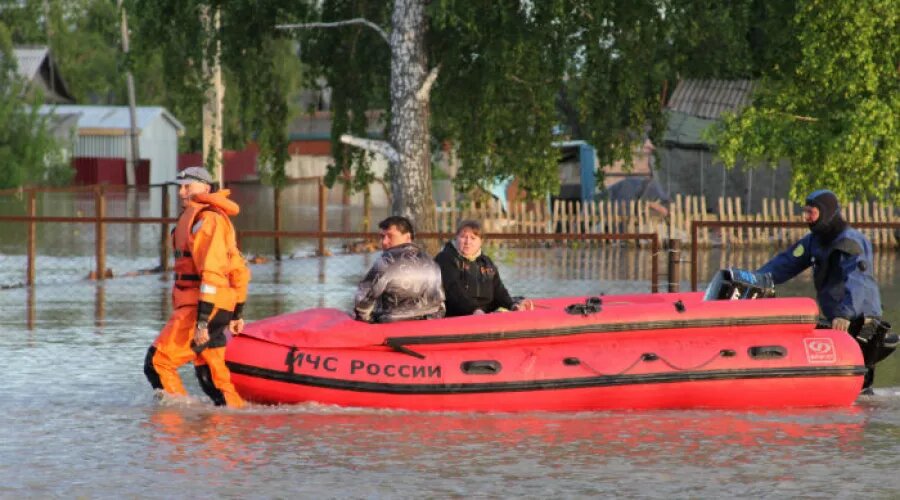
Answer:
(407, 148)
(487, 79)
(258, 63)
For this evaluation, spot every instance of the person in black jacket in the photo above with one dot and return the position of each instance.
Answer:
(471, 281)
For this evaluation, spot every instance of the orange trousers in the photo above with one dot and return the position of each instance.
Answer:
(172, 349)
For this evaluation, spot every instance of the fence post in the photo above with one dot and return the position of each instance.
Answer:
(674, 262)
(694, 228)
(164, 233)
(367, 210)
(323, 220)
(277, 210)
(100, 212)
(32, 237)
(654, 264)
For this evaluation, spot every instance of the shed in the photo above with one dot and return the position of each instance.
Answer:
(38, 68)
(102, 132)
(688, 158)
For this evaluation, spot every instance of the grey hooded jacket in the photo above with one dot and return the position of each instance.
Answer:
(403, 284)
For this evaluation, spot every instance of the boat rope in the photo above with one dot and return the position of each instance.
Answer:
(650, 356)
(598, 372)
(725, 353)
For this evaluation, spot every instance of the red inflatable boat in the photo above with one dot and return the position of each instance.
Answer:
(613, 352)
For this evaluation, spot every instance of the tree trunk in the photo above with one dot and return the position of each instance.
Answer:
(133, 157)
(215, 95)
(410, 109)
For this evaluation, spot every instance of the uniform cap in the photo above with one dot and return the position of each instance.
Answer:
(194, 174)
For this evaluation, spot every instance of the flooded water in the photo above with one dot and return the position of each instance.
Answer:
(78, 418)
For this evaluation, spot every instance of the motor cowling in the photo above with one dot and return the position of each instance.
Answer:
(739, 284)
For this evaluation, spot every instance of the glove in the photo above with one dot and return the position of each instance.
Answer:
(842, 324)
(523, 305)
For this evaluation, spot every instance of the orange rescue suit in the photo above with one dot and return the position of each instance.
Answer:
(211, 279)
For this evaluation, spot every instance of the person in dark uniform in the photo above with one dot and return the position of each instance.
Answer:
(846, 291)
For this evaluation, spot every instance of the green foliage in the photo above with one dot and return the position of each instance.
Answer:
(502, 65)
(620, 61)
(86, 44)
(29, 154)
(355, 62)
(836, 116)
(260, 68)
(514, 77)
(709, 38)
(512, 72)
(83, 36)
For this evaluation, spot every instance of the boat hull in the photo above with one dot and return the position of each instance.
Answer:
(643, 355)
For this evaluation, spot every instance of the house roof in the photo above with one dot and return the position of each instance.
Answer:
(36, 65)
(112, 120)
(708, 99)
(696, 105)
(29, 60)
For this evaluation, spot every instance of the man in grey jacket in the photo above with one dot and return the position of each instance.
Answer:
(404, 283)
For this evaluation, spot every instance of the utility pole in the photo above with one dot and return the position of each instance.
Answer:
(135, 156)
(49, 30)
(215, 93)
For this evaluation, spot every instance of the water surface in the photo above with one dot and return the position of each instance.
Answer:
(79, 419)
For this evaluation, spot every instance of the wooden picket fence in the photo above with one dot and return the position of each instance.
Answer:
(567, 217)
(640, 217)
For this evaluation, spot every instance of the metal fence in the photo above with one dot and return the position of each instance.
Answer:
(102, 232)
(784, 228)
(99, 232)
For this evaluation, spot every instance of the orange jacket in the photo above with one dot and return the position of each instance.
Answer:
(209, 268)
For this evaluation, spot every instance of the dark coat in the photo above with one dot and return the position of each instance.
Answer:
(404, 283)
(471, 285)
(842, 272)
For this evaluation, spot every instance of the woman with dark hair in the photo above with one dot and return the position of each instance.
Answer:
(471, 281)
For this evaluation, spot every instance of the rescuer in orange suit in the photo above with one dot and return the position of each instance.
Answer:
(210, 289)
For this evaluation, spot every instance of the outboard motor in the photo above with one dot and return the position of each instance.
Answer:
(876, 341)
(738, 284)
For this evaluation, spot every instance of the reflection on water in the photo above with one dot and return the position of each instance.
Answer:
(624, 453)
(80, 420)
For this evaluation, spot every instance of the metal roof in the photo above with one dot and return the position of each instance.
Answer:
(710, 98)
(111, 120)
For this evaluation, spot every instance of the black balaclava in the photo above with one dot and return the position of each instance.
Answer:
(830, 222)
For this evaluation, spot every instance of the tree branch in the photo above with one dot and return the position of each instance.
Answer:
(337, 24)
(799, 118)
(425, 90)
(381, 147)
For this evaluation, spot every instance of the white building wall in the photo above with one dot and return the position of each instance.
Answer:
(100, 146)
(304, 166)
(159, 144)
